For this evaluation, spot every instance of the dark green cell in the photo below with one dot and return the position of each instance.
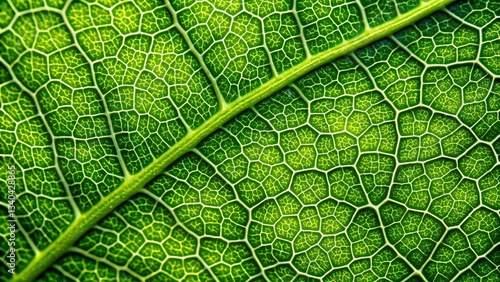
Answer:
(476, 162)
(489, 185)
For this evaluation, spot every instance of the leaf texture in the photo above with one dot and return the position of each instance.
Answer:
(380, 165)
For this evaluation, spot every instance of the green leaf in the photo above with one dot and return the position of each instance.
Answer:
(251, 141)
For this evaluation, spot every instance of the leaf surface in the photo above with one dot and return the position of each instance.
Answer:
(382, 164)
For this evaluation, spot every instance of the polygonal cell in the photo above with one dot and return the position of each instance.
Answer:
(380, 11)
(345, 185)
(452, 255)
(376, 174)
(325, 27)
(310, 187)
(282, 38)
(314, 262)
(490, 46)
(441, 39)
(413, 234)
(476, 13)
(489, 185)
(411, 187)
(343, 76)
(453, 198)
(365, 233)
(479, 160)
(483, 230)
(126, 17)
(284, 110)
(394, 71)
(298, 146)
(267, 213)
(8, 14)
(335, 216)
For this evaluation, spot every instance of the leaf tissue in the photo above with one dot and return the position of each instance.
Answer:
(250, 140)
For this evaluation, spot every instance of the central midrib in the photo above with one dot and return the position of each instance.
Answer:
(133, 184)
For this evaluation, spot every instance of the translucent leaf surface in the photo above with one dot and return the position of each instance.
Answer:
(251, 140)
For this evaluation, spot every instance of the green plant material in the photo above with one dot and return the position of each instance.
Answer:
(251, 141)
